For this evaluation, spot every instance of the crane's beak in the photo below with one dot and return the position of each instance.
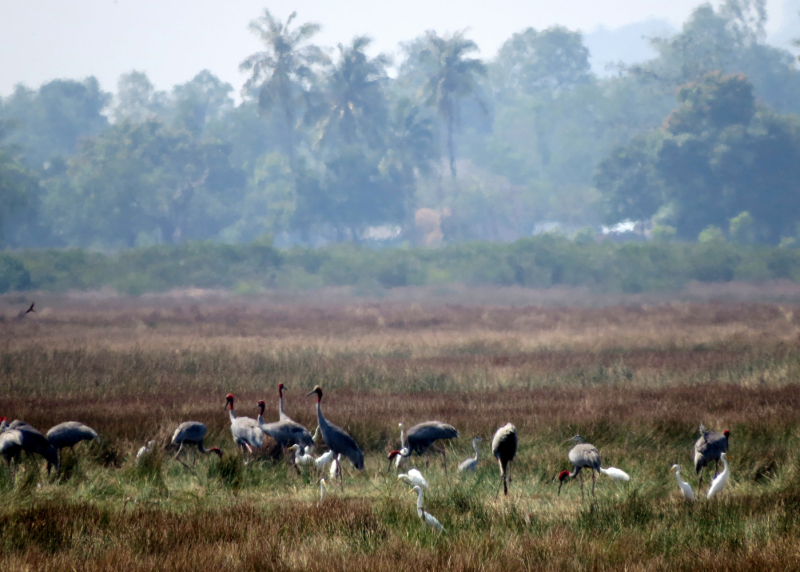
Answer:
(310, 393)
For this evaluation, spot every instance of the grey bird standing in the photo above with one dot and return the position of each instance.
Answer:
(337, 439)
(10, 444)
(69, 434)
(708, 448)
(504, 448)
(33, 442)
(245, 431)
(285, 432)
(582, 456)
(192, 433)
(423, 435)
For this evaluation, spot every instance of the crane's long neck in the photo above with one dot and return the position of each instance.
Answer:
(402, 436)
(574, 472)
(323, 423)
(281, 414)
(231, 414)
(260, 418)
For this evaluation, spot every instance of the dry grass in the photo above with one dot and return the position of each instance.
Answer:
(635, 380)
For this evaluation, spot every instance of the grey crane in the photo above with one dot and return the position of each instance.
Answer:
(471, 464)
(285, 432)
(69, 434)
(10, 444)
(423, 435)
(582, 456)
(337, 439)
(33, 442)
(245, 431)
(709, 447)
(192, 433)
(504, 448)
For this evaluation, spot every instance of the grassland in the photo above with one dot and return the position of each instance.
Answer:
(633, 379)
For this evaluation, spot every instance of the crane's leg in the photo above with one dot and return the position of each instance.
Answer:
(444, 456)
(341, 476)
(593, 482)
(580, 476)
(502, 478)
(178, 454)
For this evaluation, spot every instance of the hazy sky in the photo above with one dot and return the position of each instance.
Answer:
(172, 40)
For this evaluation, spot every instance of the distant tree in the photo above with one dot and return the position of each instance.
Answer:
(554, 59)
(143, 179)
(52, 120)
(355, 109)
(451, 77)
(138, 100)
(17, 184)
(201, 101)
(282, 75)
(718, 154)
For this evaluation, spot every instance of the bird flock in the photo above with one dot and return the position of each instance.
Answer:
(298, 445)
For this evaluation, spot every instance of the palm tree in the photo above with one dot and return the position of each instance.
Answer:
(284, 72)
(355, 103)
(453, 76)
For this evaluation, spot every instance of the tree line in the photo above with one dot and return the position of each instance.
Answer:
(332, 145)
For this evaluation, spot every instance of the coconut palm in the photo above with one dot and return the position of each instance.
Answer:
(453, 76)
(284, 72)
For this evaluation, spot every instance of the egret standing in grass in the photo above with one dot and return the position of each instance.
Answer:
(504, 448)
(427, 517)
(471, 464)
(615, 474)
(300, 457)
(413, 477)
(720, 480)
(686, 488)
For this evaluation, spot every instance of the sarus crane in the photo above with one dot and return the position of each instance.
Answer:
(192, 433)
(69, 434)
(34, 443)
(582, 456)
(709, 447)
(245, 431)
(504, 449)
(337, 439)
(423, 436)
(285, 431)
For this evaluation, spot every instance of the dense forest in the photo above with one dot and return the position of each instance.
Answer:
(334, 145)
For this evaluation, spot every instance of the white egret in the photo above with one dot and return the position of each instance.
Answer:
(615, 474)
(719, 481)
(686, 488)
(429, 519)
(471, 464)
(414, 477)
(300, 457)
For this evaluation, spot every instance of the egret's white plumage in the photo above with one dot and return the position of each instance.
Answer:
(335, 467)
(686, 488)
(321, 489)
(719, 481)
(300, 457)
(145, 449)
(615, 474)
(414, 477)
(322, 461)
(471, 464)
(429, 519)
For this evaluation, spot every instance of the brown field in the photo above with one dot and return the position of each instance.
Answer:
(635, 379)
